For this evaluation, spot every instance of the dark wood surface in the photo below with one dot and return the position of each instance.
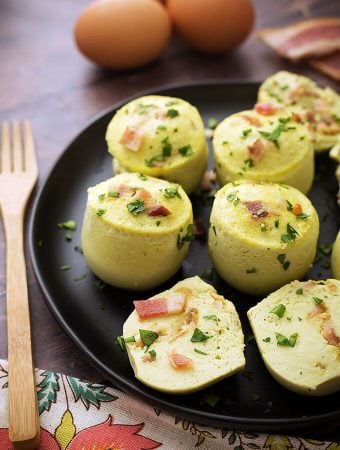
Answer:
(45, 79)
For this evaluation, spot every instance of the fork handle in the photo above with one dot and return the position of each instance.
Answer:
(23, 412)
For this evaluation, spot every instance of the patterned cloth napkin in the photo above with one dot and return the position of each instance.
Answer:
(80, 415)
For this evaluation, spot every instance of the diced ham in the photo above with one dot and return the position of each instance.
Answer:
(256, 150)
(329, 65)
(144, 195)
(266, 109)
(157, 210)
(255, 207)
(208, 180)
(251, 119)
(309, 38)
(297, 209)
(318, 309)
(329, 334)
(132, 138)
(160, 307)
(180, 362)
(302, 91)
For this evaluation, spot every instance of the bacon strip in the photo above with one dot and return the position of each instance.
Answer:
(132, 138)
(180, 362)
(329, 65)
(314, 37)
(159, 307)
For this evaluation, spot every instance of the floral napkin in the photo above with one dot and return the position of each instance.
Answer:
(80, 415)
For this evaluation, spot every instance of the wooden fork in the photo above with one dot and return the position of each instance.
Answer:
(18, 175)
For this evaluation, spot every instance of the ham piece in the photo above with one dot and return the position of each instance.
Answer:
(180, 362)
(160, 307)
(306, 39)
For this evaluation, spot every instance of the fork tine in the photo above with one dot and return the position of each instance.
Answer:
(17, 149)
(6, 164)
(30, 160)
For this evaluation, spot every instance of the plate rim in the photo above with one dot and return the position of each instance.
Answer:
(210, 418)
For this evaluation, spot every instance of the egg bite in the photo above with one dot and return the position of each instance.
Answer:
(335, 258)
(262, 235)
(184, 339)
(297, 331)
(265, 144)
(159, 136)
(318, 107)
(136, 230)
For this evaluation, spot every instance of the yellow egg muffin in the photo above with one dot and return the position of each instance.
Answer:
(335, 258)
(159, 136)
(262, 235)
(136, 230)
(297, 330)
(318, 107)
(265, 144)
(184, 339)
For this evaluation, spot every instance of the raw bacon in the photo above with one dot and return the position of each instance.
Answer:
(159, 307)
(309, 38)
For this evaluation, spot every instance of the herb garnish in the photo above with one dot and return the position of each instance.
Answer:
(121, 341)
(171, 192)
(143, 177)
(303, 216)
(136, 207)
(153, 354)
(291, 234)
(274, 135)
(172, 113)
(113, 194)
(233, 198)
(101, 211)
(253, 270)
(285, 341)
(267, 339)
(101, 197)
(282, 259)
(68, 225)
(199, 336)
(277, 223)
(167, 147)
(299, 291)
(246, 132)
(279, 310)
(317, 300)
(186, 150)
(289, 206)
(148, 337)
(79, 277)
(200, 352)
(189, 236)
(212, 123)
(212, 317)
(249, 162)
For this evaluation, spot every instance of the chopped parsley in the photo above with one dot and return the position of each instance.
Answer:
(153, 354)
(212, 123)
(136, 207)
(289, 206)
(285, 341)
(279, 310)
(246, 132)
(266, 339)
(113, 194)
(158, 222)
(291, 234)
(263, 227)
(199, 352)
(277, 223)
(143, 108)
(299, 291)
(143, 177)
(253, 270)
(68, 225)
(186, 150)
(212, 317)
(249, 162)
(172, 113)
(171, 192)
(101, 211)
(282, 259)
(303, 216)
(167, 147)
(274, 135)
(149, 162)
(233, 198)
(199, 336)
(121, 341)
(101, 197)
(148, 337)
(317, 300)
(189, 236)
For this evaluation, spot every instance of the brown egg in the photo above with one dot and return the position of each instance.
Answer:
(123, 34)
(212, 26)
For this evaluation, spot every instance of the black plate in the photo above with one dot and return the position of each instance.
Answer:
(93, 316)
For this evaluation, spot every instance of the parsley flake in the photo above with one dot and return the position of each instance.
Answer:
(279, 310)
(291, 234)
(148, 337)
(199, 336)
(186, 150)
(171, 192)
(100, 212)
(189, 236)
(285, 341)
(172, 113)
(136, 207)
(199, 352)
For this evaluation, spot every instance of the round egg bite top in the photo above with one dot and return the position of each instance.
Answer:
(139, 203)
(267, 214)
(155, 132)
(319, 107)
(258, 144)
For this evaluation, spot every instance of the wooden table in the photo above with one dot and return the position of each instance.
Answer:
(45, 79)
